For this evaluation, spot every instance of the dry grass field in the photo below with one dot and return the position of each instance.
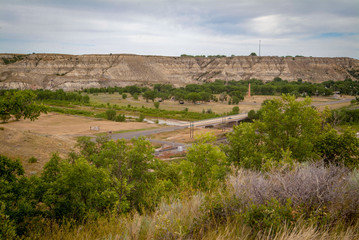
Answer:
(248, 104)
(53, 133)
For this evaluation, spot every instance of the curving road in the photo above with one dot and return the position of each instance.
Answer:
(208, 122)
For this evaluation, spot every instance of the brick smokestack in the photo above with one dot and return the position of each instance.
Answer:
(249, 90)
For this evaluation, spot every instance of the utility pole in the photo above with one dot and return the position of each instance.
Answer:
(259, 52)
(249, 90)
(191, 129)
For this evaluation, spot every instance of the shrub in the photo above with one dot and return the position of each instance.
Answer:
(135, 96)
(141, 118)
(32, 160)
(7, 226)
(269, 216)
(235, 110)
(120, 118)
(110, 114)
(312, 188)
(156, 104)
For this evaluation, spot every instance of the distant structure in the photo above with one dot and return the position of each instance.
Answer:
(259, 52)
(249, 90)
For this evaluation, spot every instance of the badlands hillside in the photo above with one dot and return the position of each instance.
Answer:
(74, 72)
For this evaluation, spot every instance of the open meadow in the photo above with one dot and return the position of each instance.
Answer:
(54, 133)
(249, 103)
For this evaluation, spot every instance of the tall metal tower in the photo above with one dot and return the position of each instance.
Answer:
(259, 52)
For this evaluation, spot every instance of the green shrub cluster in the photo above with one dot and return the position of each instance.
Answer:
(20, 104)
(14, 59)
(286, 128)
(61, 95)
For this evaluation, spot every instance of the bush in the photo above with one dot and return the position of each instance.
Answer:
(311, 188)
(120, 118)
(252, 115)
(235, 110)
(156, 104)
(7, 226)
(110, 114)
(140, 118)
(269, 216)
(32, 160)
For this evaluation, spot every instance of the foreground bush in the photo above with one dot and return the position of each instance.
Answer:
(308, 202)
(320, 195)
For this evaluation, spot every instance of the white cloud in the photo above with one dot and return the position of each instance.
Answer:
(166, 27)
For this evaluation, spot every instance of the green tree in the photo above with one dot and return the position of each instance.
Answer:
(17, 197)
(20, 104)
(149, 94)
(77, 189)
(235, 110)
(120, 118)
(110, 114)
(193, 96)
(7, 226)
(135, 96)
(124, 95)
(156, 104)
(339, 148)
(284, 124)
(128, 165)
(204, 165)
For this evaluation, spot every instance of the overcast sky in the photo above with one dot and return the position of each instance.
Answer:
(320, 28)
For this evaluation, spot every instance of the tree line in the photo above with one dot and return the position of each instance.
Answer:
(234, 91)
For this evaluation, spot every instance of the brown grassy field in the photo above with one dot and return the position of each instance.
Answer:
(248, 104)
(53, 133)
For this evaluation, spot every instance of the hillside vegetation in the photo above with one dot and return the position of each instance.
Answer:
(288, 174)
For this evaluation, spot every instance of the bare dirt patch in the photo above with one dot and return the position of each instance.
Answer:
(24, 144)
(53, 133)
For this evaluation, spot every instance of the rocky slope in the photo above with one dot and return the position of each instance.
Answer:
(73, 72)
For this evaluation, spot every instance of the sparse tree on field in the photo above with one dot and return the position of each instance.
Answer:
(156, 104)
(20, 104)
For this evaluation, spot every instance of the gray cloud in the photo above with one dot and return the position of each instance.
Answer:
(166, 27)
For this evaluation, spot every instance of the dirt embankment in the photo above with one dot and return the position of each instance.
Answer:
(74, 72)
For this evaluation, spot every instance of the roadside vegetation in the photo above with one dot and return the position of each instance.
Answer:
(287, 174)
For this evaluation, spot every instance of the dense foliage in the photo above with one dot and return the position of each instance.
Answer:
(234, 91)
(61, 95)
(287, 128)
(20, 104)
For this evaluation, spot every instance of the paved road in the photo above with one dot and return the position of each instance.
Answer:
(220, 120)
(213, 121)
(331, 103)
(129, 135)
(181, 125)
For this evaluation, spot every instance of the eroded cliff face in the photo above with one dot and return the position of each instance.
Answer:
(74, 72)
